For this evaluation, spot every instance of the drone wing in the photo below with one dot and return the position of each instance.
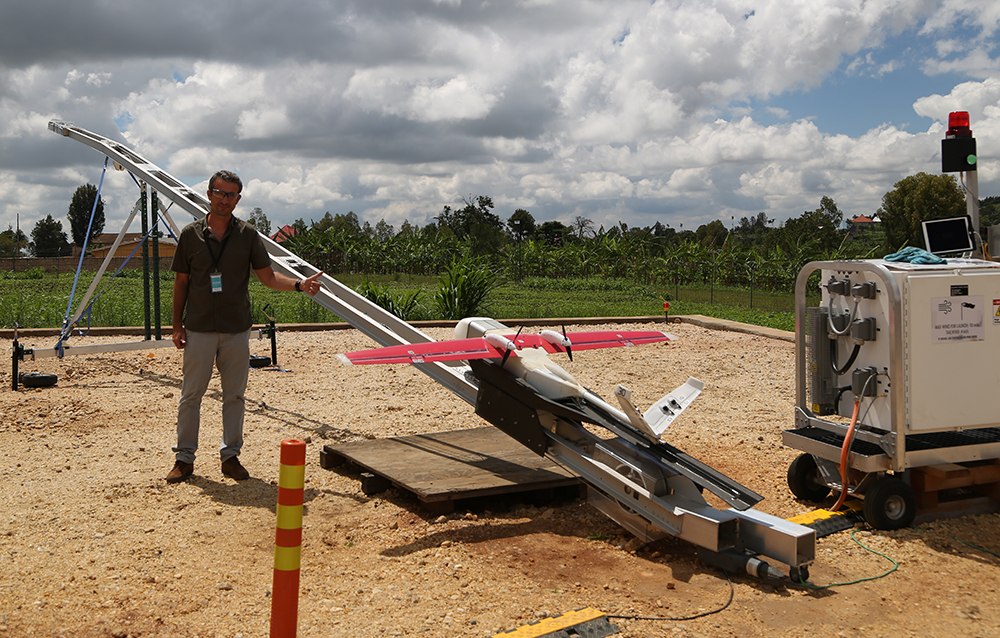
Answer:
(496, 346)
(557, 342)
(460, 349)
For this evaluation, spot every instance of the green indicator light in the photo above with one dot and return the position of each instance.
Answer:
(971, 159)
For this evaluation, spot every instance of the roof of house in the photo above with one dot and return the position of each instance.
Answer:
(283, 233)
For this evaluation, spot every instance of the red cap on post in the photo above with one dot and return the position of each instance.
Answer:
(958, 124)
(293, 452)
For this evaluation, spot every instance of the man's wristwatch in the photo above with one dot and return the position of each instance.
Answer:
(298, 285)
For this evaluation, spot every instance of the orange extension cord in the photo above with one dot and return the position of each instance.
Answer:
(845, 452)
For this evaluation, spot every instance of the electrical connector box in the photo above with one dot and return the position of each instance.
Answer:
(840, 321)
(865, 290)
(864, 329)
(864, 383)
(840, 287)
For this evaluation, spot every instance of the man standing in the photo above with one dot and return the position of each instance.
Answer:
(212, 264)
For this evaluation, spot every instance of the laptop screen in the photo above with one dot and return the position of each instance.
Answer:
(948, 235)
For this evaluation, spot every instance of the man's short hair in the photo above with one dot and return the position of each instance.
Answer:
(226, 176)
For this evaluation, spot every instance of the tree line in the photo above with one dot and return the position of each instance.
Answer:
(48, 239)
(753, 249)
(521, 246)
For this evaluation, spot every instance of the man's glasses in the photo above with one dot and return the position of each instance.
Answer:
(223, 194)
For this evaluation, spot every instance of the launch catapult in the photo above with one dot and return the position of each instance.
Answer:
(648, 486)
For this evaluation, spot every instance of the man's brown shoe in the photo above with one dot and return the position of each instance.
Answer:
(233, 469)
(180, 472)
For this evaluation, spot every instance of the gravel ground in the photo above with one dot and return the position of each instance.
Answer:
(94, 543)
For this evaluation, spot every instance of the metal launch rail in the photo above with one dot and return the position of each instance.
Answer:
(651, 489)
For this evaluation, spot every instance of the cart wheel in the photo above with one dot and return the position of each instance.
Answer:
(890, 504)
(37, 379)
(804, 480)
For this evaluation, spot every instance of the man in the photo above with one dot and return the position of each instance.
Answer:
(212, 264)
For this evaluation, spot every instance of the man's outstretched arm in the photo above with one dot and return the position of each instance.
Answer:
(277, 281)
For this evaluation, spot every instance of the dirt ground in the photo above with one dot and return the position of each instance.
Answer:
(93, 542)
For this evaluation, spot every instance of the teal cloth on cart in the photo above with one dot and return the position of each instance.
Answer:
(914, 255)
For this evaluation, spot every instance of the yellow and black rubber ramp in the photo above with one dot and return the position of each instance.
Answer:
(826, 522)
(582, 623)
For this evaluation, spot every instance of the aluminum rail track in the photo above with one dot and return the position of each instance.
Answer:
(652, 490)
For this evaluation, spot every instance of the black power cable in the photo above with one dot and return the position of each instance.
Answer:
(850, 361)
(732, 592)
(836, 399)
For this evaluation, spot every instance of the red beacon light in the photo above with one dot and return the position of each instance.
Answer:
(958, 124)
(958, 148)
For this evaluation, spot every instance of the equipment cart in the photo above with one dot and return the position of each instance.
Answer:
(903, 361)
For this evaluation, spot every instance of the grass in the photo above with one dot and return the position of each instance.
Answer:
(39, 301)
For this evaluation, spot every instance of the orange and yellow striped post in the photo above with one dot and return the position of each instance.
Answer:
(288, 540)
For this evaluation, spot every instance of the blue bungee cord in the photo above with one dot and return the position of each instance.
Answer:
(66, 329)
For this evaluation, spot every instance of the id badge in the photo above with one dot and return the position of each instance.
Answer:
(216, 281)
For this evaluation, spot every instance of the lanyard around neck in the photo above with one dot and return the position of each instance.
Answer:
(208, 242)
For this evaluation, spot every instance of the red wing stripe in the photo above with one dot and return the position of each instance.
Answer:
(612, 339)
(426, 352)
(465, 349)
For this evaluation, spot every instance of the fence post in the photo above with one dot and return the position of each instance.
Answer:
(288, 540)
(154, 204)
(711, 286)
(677, 279)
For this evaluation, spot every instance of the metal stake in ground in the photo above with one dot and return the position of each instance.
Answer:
(288, 540)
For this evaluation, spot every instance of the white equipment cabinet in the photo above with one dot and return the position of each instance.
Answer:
(920, 346)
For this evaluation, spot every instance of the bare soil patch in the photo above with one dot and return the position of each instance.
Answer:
(93, 543)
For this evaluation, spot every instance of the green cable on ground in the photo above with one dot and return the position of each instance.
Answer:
(895, 566)
(982, 549)
(967, 543)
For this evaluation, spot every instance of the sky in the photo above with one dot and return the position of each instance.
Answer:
(679, 112)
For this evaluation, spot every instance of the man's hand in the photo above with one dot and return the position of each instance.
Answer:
(310, 286)
(180, 338)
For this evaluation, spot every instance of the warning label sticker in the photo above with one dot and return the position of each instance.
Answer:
(959, 318)
(996, 312)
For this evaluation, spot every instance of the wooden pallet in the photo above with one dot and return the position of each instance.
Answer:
(952, 489)
(446, 467)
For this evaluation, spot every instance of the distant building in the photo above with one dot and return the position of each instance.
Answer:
(284, 233)
(861, 225)
(130, 242)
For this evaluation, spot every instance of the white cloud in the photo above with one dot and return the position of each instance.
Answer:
(263, 122)
(648, 110)
(983, 14)
(687, 181)
(974, 97)
(456, 99)
(21, 124)
(201, 161)
(294, 190)
(98, 79)
(976, 63)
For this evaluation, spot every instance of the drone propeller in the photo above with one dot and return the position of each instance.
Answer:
(569, 347)
(508, 350)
